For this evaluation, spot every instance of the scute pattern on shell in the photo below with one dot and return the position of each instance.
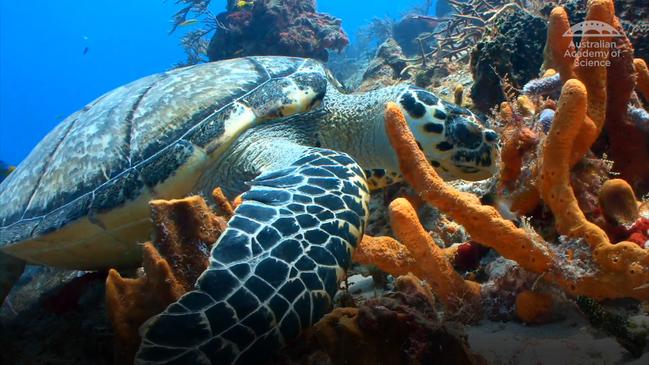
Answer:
(275, 269)
(107, 146)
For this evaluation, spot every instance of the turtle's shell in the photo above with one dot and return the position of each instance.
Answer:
(79, 200)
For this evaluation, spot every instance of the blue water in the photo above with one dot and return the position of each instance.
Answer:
(45, 76)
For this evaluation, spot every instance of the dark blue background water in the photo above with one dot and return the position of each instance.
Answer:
(44, 75)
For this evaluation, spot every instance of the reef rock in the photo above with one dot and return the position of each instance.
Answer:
(269, 27)
(386, 66)
(514, 49)
(402, 327)
(406, 31)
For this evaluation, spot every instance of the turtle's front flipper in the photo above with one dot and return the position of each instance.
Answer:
(10, 270)
(275, 269)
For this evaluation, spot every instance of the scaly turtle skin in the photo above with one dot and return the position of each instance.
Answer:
(275, 128)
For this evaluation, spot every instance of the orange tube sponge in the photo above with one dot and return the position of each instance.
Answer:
(484, 223)
(533, 308)
(184, 231)
(618, 203)
(593, 55)
(643, 76)
(418, 253)
(627, 144)
(386, 253)
(623, 268)
(555, 172)
(130, 302)
(517, 140)
(559, 49)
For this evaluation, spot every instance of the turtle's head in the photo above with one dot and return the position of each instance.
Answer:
(452, 138)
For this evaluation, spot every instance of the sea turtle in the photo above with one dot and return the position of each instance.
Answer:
(278, 129)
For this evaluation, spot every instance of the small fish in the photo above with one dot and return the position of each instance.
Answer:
(188, 22)
(85, 51)
(5, 170)
(243, 3)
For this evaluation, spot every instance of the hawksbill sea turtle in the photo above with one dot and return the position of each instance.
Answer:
(276, 129)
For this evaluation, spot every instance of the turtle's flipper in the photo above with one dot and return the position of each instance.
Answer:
(275, 269)
(10, 270)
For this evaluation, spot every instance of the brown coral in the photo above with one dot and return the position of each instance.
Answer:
(184, 231)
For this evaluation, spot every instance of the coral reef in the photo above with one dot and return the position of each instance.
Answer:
(266, 27)
(399, 328)
(513, 49)
(184, 231)
(409, 30)
(262, 27)
(591, 265)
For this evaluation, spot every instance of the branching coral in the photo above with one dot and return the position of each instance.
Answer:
(184, 231)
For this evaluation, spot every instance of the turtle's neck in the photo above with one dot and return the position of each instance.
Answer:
(355, 125)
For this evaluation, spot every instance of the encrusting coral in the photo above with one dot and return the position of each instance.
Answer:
(184, 231)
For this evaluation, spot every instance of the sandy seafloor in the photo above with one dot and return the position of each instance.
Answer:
(59, 317)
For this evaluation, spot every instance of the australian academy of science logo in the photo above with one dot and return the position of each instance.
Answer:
(593, 52)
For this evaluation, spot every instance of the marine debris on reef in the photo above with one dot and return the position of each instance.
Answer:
(261, 27)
